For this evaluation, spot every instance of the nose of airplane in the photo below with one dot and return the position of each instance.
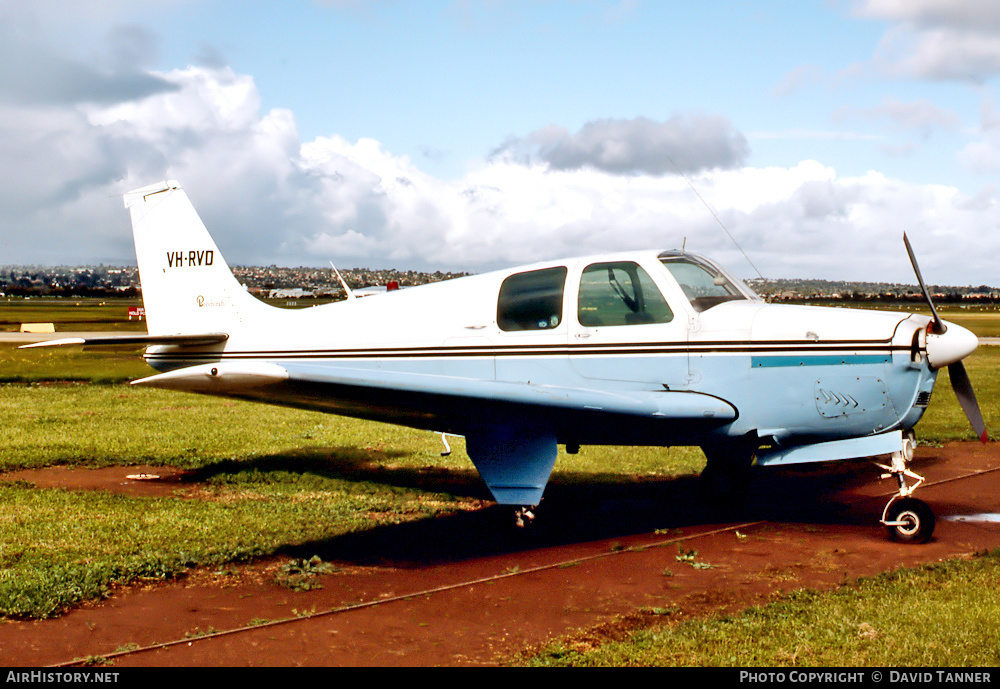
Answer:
(951, 346)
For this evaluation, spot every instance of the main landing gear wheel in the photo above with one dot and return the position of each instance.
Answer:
(524, 516)
(909, 520)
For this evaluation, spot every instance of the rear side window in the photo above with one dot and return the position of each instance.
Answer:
(532, 300)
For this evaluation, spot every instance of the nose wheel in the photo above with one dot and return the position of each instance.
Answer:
(907, 519)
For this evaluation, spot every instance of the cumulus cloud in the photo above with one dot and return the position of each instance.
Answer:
(983, 155)
(270, 197)
(33, 75)
(33, 72)
(928, 13)
(689, 143)
(938, 39)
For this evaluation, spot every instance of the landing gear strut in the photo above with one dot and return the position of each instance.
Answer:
(727, 471)
(907, 519)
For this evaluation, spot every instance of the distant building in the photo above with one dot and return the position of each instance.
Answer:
(289, 293)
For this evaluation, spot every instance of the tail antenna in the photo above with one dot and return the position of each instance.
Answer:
(350, 294)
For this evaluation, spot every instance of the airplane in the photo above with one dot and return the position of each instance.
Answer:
(637, 348)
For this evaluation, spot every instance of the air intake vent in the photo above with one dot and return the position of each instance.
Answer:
(923, 399)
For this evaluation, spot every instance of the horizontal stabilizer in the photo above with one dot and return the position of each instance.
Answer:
(195, 340)
(217, 379)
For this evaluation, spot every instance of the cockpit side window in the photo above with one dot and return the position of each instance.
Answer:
(532, 300)
(620, 293)
(704, 286)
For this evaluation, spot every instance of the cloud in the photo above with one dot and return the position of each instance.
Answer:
(920, 115)
(937, 39)
(983, 155)
(267, 196)
(799, 79)
(33, 75)
(689, 143)
(34, 72)
(961, 14)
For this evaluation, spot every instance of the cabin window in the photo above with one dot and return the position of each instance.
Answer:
(620, 294)
(532, 300)
(704, 286)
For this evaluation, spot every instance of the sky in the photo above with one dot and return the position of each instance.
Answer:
(794, 139)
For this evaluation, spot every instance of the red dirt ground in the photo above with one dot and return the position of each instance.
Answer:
(597, 554)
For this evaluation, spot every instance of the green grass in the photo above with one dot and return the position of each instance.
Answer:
(944, 419)
(939, 615)
(60, 547)
(102, 366)
(984, 321)
(399, 469)
(267, 478)
(270, 479)
(48, 424)
(82, 314)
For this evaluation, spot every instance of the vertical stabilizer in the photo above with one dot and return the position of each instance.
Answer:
(186, 284)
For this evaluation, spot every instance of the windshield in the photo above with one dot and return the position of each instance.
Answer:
(703, 284)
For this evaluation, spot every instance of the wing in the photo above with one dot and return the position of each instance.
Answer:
(512, 430)
(435, 402)
(398, 394)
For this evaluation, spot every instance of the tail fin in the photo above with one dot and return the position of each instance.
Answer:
(187, 287)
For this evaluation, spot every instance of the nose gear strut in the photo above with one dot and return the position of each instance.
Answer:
(908, 519)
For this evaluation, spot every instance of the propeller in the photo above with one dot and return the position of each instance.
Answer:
(967, 398)
(950, 353)
(939, 326)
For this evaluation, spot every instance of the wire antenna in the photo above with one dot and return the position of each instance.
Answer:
(724, 228)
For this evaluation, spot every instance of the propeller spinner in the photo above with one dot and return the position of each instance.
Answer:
(947, 345)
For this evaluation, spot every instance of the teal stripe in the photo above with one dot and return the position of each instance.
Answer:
(825, 360)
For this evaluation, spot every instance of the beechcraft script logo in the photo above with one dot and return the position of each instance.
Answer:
(190, 259)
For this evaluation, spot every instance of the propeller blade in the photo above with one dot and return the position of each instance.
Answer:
(939, 326)
(967, 398)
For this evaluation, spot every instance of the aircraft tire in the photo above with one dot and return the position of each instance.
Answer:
(724, 484)
(918, 521)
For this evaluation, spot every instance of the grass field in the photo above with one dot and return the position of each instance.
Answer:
(984, 321)
(270, 479)
(69, 314)
(941, 615)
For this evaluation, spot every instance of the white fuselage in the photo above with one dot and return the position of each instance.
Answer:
(790, 372)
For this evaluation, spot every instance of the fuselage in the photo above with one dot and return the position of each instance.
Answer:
(629, 324)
